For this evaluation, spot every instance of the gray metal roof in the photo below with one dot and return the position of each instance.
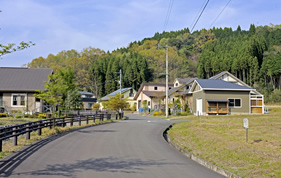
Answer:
(107, 97)
(23, 79)
(184, 80)
(220, 84)
(86, 93)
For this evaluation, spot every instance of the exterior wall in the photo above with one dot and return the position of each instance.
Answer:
(243, 95)
(29, 102)
(143, 97)
(155, 102)
(86, 105)
(159, 88)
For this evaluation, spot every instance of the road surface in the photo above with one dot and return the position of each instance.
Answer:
(133, 148)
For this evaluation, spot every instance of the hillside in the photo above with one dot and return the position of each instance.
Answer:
(254, 56)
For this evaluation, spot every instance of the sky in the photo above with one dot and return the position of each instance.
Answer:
(57, 25)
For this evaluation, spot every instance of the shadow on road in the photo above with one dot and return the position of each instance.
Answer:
(8, 164)
(109, 164)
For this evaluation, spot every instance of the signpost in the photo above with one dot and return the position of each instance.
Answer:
(246, 126)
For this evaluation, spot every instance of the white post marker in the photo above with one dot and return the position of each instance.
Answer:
(246, 126)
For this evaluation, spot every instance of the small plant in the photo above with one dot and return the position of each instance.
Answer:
(28, 116)
(42, 116)
(3, 114)
(96, 106)
(134, 108)
(155, 114)
(18, 116)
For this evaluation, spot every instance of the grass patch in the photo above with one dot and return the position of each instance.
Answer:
(221, 140)
(13, 121)
(8, 147)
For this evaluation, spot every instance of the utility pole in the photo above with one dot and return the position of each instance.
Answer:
(167, 77)
(120, 81)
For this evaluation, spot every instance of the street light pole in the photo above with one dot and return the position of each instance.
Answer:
(120, 81)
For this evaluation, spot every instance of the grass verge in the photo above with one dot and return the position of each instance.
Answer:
(221, 141)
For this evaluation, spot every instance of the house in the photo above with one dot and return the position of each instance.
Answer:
(17, 86)
(181, 92)
(88, 99)
(128, 93)
(256, 98)
(152, 94)
(212, 96)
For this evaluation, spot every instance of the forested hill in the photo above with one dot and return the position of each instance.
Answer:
(253, 55)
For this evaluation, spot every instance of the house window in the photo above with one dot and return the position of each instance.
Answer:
(18, 99)
(148, 103)
(155, 88)
(177, 84)
(235, 103)
(90, 105)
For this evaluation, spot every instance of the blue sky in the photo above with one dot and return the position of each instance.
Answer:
(56, 25)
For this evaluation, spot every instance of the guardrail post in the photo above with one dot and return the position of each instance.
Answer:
(49, 122)
(15, 138)
(39, 128)
(71, 121)
(87, 120)
(0, 145)
(94, 118)
(79, 121)
(116, 118)
(63, 122)
(54, 122)
(102, 116)
(28, 132)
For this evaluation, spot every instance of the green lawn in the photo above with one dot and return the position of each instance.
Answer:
(221, 140)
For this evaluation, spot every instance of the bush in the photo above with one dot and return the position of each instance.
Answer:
(96, 106)
(28, 116)
(42, 116)
(155, 114)
(134, 108)
(18, 116)
(184, 113)
(3, 114)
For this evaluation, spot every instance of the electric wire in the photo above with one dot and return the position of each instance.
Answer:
(219, 14)
(200, 15)
(168, 14)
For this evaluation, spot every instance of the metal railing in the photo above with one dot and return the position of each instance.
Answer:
(15, 131)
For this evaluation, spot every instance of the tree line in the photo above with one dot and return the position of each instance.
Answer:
(252, 55)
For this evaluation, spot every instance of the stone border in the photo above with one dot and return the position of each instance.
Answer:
(196, 158)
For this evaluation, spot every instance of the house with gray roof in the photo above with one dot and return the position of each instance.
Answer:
(212, 96)
(88, 99)
(17, 86)
(128, 93)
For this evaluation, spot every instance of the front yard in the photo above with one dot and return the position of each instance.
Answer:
(221, 141)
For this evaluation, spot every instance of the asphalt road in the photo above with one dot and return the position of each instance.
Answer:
(133, 148)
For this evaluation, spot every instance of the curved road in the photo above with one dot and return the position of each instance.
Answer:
(124, 149)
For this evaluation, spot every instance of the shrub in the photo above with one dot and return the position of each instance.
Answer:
(18, 116)
(42, 116)
(96, 106)
(134, 108)
(155, 114)
(28, 116)
(184, 113)
(3, 114)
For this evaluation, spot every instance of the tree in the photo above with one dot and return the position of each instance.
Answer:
(73, 99)
(116, 103)
(53, 93)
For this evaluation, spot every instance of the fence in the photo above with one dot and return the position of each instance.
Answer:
(16, 130)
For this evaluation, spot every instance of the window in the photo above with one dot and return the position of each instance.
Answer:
(235, 103)
(148, 103)
(177, 84)
(155, 88)
(90, 105)
(18, 100)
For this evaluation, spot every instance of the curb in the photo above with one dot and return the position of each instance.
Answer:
(197, 159)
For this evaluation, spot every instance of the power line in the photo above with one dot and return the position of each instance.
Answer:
(168, 14)
(219, 14)
(200, 15)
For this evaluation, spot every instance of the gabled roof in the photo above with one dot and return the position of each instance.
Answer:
(235, 78)
(211, 84)
(184, 80)
(228, 73)
(176, 89)
(23, 79)
(150, 84)
(107, 97)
